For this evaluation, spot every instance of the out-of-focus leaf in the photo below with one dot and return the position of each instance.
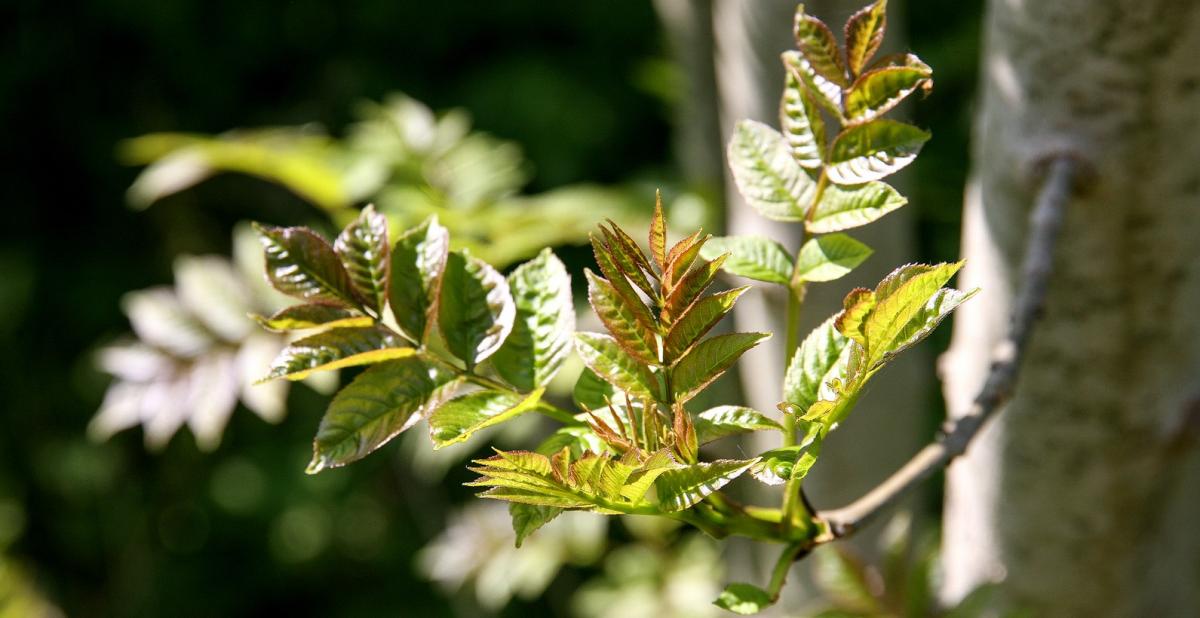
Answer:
(313, 315)
(827, 94)
(604, 356)
(817, 44)
(337, 348)
(843, 578)
(820, 358)
(722, 421)
(744, 599)
(591, 390)
(753, 257)
(212, 291)
(829, 257)
(363, 248)
(873, 150)
(682, 488)
(161, 320)
(627, 328)
(699, 318)
(418, 263)
(709, 359)
(876, 92)
(545, 320)
(456, 420)
(380, 403)
(850, 206)
(527, 518)
(303, 265)
(767, 176)
(476, 310)
(803, 128)
(864, 33)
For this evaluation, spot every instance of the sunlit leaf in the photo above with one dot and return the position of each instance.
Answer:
(635, 336)
(160, 319)
(303, 265)
(850, 206)
(690, 287)
(681, 257)
(826, 93)
(683, 488)
(381, 402)
(545, 319)
(709, 359)
(616, 277)
(820, 357)
(418, 264)
(630, 257)
(817, 44)
(723, 421)
(591, 391)
(215, 294)
(767, 176)
(876, 92)
(604, 356)
(803, 128)
(864, 33)
(457, 419)
(871, 151)
(363, 248)
(527, 518)
(744, 599)
(778, 466)
(856, 306)
(699, 318)
(312, 315)
(337, 348)
(658, 234)
(753, 257)
(829, 257)
(900, 298)
(476, 310)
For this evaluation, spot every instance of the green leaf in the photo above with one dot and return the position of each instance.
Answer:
(527, 518)
(900, 299)
(603, 355)
(380, 403)
(682, 488)
(312, 315)
(658, 234)
(577, 439)
(876, 92)
(455, 420)
(699, 318)
(363, 248)
(844, 579)
(826, 93)
(927, 319)
(830, 257)
(803, 128)
(722, 421)
(820, 358)
(871, 151)
(864, 34)
(850, 206)
(635, 336)
(541, 336)
(855, 308)
(418, 264)
(337, 348)
(767, 176)
(476, 310)
(708, 360)
(817, 44)
(591, 390)
(753, 257)
(778, 466)
(303, 265)
(744, 599)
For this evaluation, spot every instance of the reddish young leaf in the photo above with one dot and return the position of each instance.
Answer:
(690, 286)
(635, 336)
(658, 234)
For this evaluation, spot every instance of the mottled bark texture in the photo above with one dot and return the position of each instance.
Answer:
(1084, 494)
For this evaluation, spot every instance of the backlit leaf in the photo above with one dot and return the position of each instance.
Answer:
(457, 419)
(337, 348)
(604, 356)
(591, 390)
(363, 248)
(927, 319)
(820, 357)
(541, 337)
(871, 151)
(817, 44)
(864, 33)
(829, 257)
(698, 320)
(767, 176)
(899, 299)
(658, 234)
(876, 92)
(527, 518)
(303, 265)
(753, 257)
(418, 264)
(616, 277)
(681, 257)
(707, 360)
(856, 306)
(633, 262)
(636, 337)
(476, 310)
(381, 402)
(826, 93)
(722, 421)
(803, 128)
(744, 599)
(690, 287)
(850, 206)
(683, 488)
(312, 315)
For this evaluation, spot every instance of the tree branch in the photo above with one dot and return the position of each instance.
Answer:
(1046, 220)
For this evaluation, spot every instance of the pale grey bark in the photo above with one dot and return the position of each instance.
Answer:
(1085, 492)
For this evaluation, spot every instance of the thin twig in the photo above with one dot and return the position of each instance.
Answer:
(1046, 220)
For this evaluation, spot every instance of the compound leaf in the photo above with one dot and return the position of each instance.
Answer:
(723, 421)
(803, 128)
(456, 420)
(817, 44)
(830, 257)
(707, 360)
(627, 328)
(699, 318)
(604, 356)
(541, 336)
(744, 599)
(312, 315)
(682, 488)
(850, 206)
(476, 310)
(820, 358)
(364, 251)
(753, 257)
(302, 264)
(337, 348)
(527, 518)
(873, 150)
(864, 33)
(767, 176)
(876, 92)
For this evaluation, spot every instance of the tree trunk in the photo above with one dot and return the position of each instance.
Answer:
(1084, 494)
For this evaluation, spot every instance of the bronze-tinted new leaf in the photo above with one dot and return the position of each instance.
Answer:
(635, 336)
(691, 286)
(816, 42)
(302, 264)
(363, 248)
(708, 360)
(658, 234)
(418, 263)
(864, 34)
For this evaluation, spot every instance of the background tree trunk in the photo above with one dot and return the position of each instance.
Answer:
(1084, 494)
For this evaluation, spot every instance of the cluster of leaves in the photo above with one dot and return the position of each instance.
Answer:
(409, 161)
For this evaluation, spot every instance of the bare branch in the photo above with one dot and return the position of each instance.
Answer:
(1046, 220)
